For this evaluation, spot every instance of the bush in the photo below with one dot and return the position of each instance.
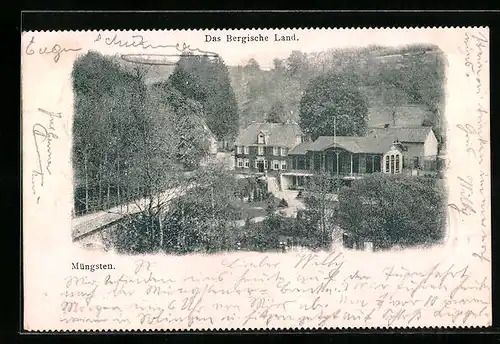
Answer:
(283, 203)
(391, 210)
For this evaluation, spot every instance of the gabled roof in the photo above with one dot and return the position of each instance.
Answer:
(413, 135)
(404, 115)
(300, 149)
(354, 144)
(277, 134)
(377, 140)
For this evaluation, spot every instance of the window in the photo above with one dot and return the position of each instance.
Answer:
(283, 151)
(416, 163)
(261, 150)
(256, 163)
(246, 149)
(283, 164)
(300, 164)
(239, 162)
(355, 163)
(266, 164)
(246, 163)
(276, 151)
(238, 149)
(393, 163)
(369, 164)
(276, 165)
(261, 139)
(377, 163)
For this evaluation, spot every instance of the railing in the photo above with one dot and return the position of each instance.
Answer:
(297, 172)
(333, 173)
(345, 174)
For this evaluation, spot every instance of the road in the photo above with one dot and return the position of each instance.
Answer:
(85, 224)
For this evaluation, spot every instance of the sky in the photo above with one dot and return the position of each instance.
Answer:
(237, 53)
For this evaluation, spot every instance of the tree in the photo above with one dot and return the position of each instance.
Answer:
(108, 115)
(206, 80)
(203, 218)
(297, 63)
(130, 146)
(186, 118)
(393, 210)
(277, 114)
(279, 66)
(321, 206)
(333, 103)
(252, 65)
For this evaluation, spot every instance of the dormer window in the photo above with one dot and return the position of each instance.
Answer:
(261, 139)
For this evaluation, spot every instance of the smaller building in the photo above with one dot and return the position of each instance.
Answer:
(212, 145)
(263, 147)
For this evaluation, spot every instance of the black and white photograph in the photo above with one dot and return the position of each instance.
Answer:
(343, 147)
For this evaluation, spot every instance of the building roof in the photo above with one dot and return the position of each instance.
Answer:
(354, 144)
(300, 149)
(413, 135)
(380, 114)
(277, 134)
(376, 141)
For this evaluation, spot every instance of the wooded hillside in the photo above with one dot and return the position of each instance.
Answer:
(407, 80)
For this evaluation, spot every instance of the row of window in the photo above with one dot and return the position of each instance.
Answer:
(275, 164)
(392, 163)
(277, 151)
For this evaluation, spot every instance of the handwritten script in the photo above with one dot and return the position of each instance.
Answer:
(55, 50)
(473, 199)
(43, 136)
(139, 41)
(310, 290)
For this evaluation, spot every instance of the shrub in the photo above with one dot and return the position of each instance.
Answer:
(391, 210)
(283, 203)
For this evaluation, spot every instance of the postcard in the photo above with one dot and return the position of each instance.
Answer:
(256, 179)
